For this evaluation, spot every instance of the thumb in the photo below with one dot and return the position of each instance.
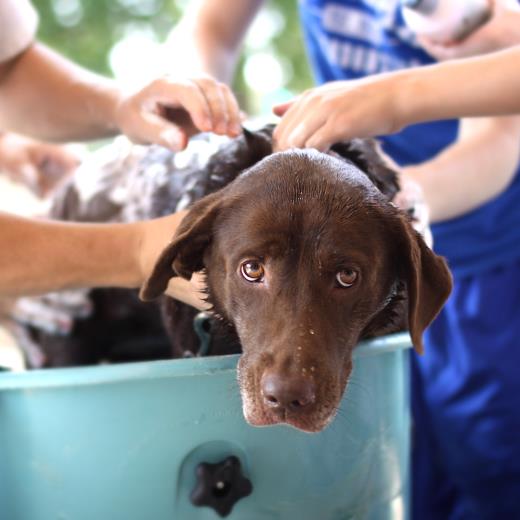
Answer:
(155, 129)
(280, 109)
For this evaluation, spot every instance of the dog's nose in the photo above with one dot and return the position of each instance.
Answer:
(287, 392)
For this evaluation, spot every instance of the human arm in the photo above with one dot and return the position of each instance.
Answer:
(40, 166)
(211, 33)
(485, 157)
(46, 96)
(37, 256)
(384, 104)
(478, 167)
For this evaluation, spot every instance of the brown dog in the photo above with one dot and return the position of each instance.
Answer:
(304, 256)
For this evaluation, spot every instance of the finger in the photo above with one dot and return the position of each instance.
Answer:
(304, 131)
(155, 129)
(296, 105)
(301, 125)
(187, 95)
(282, 108)
(324, 137)
(287, 124)
(234, 126)
(215, 100)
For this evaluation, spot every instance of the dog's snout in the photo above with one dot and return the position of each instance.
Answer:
(281, 392)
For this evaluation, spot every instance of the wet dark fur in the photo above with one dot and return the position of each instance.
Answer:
(304, 220)
(122, 328)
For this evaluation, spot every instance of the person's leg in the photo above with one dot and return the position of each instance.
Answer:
(469, 399)
(433, 496)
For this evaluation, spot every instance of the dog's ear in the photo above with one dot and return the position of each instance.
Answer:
(427, 278)
(184, 255)
(366, 154)
(259, 143)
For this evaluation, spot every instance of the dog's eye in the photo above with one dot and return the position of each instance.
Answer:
(252, 271)
(346, 277)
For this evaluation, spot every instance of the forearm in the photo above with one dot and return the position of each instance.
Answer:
(38, 256)
(478, 167)
(483, 86)
(69, 102)
(41, 256)
(210, 35)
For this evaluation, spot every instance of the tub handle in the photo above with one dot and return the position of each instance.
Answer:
(221, 485)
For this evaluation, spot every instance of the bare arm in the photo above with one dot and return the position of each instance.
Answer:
(484, 86)
(473, 170)
(46, 96)
(476, 168)
(384, 104)
(41, 256)
(210, 35)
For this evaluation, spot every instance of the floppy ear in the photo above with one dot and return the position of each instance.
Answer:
(184, 255)
(428, 281)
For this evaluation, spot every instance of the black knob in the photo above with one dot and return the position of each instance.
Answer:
(220, 485)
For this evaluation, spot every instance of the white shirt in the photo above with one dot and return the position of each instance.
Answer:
(18, 24)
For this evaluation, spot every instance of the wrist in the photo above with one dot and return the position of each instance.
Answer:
(406, 90)
(104, 107)
(115, 100)
(136, 239)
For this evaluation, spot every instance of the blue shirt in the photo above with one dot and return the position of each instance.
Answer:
(353, 38)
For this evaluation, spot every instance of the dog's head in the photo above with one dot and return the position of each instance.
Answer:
(304, 256)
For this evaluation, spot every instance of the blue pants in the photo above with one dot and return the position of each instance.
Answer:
(466, 404)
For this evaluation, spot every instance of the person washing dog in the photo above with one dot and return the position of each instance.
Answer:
(466, 459)
(45, 96)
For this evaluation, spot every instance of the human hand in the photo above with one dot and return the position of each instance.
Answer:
(39, 166)
(168, 112)
(154, 236)
(339, 110)
(501, 31)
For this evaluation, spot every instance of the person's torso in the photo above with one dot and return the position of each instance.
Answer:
(348, 39)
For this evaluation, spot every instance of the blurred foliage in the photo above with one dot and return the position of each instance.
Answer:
(86, 30)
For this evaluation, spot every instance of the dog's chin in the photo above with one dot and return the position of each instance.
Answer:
(306, 423)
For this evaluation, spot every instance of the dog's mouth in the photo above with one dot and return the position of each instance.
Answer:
(260, 410)
(310, 423)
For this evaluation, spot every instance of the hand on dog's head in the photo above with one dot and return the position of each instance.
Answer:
(305, 255)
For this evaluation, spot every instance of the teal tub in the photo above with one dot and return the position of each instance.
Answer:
(125, 442)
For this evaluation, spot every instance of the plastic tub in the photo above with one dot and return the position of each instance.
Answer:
(124, 442)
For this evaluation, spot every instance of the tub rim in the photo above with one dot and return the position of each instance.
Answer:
(161, 369)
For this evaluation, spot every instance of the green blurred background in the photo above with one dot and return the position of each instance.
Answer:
(121, 37)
